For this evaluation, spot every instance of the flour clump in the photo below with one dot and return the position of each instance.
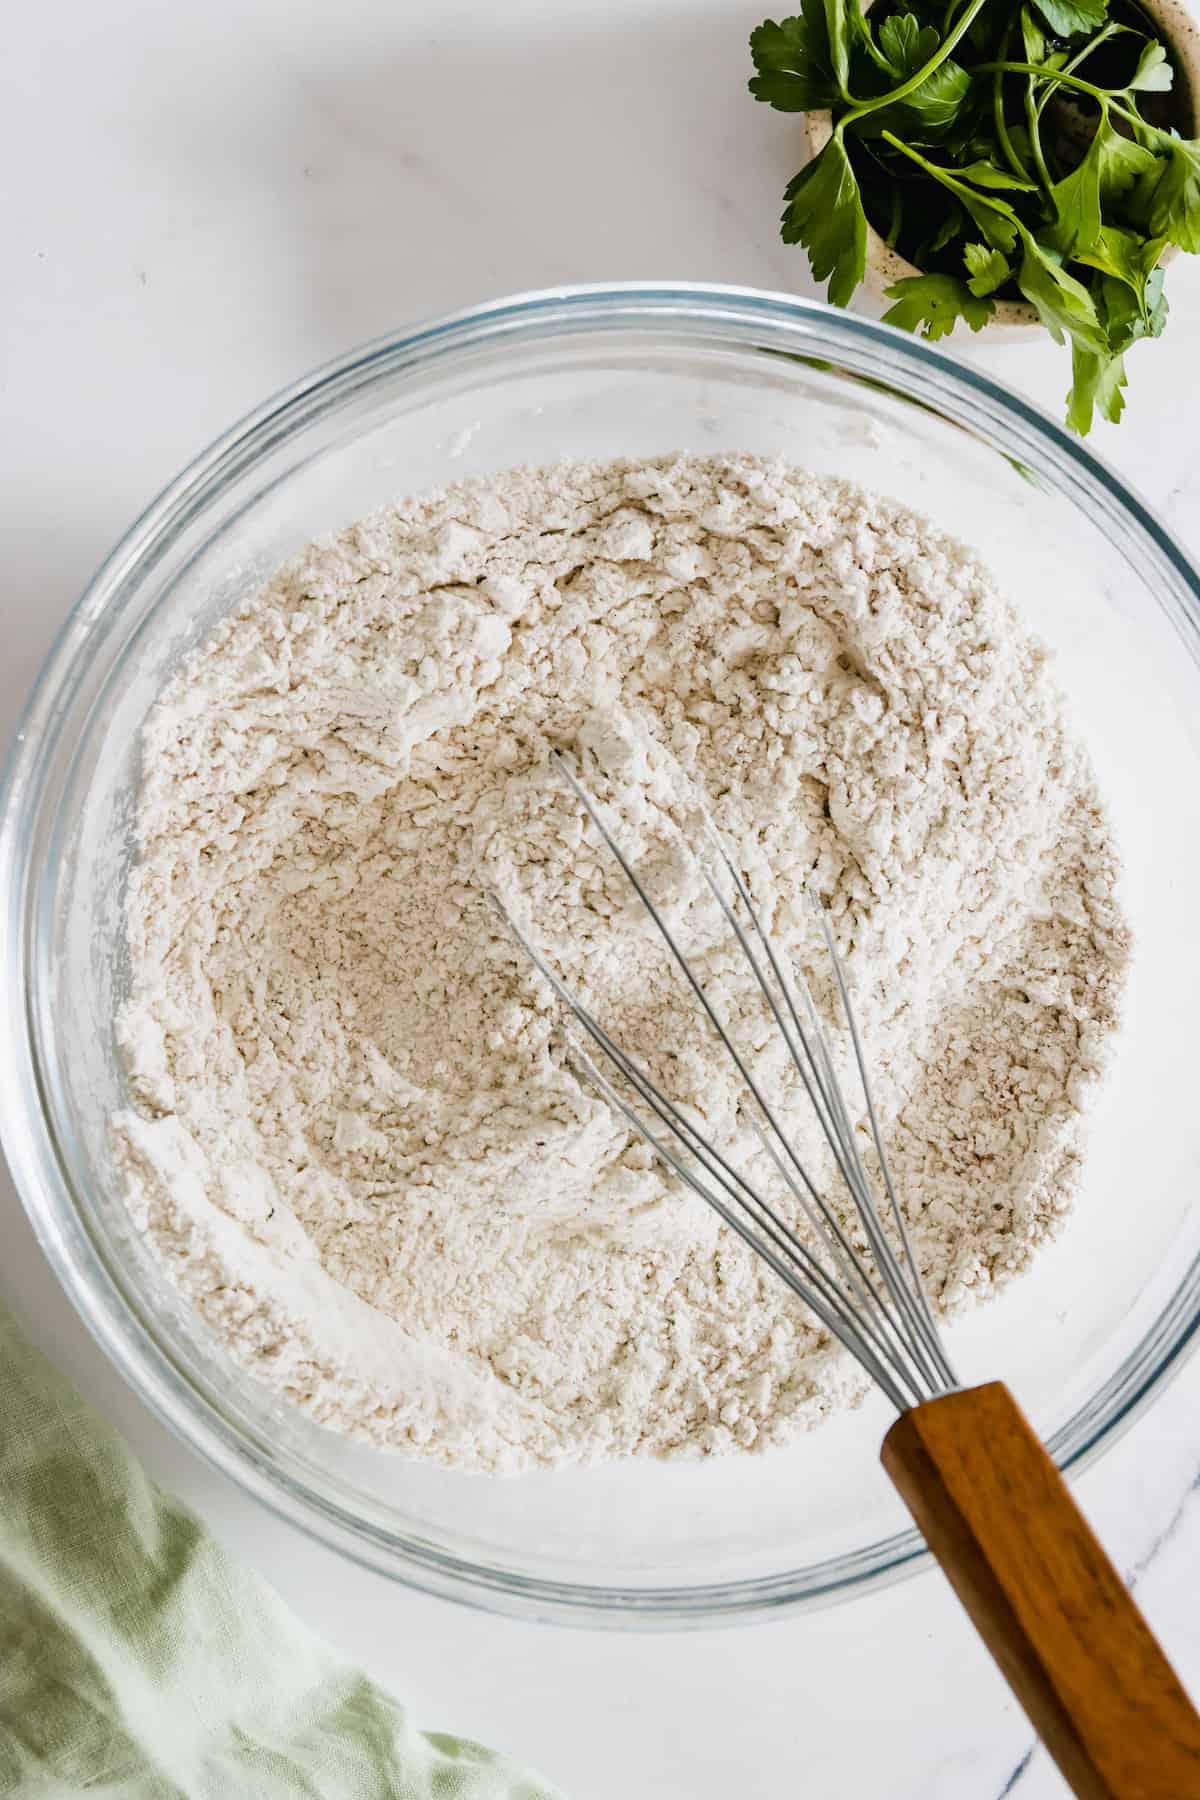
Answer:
(358, 1135)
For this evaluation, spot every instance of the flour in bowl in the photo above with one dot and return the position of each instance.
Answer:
(358, 1136)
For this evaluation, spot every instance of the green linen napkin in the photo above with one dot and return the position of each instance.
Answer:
(138, 1660)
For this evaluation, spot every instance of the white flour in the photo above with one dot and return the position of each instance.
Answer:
(360, 1142)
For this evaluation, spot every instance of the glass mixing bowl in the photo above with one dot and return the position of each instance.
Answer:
(599, 372)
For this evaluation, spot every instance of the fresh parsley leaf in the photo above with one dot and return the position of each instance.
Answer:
(1098, 376)
(838, 31)
(994, 218)
(987, 175)
(1121, 161)
(1099, 379)
(1156, 308)
(794, 62)
(936, 103)
(1110, 166)
(938, 100)
(927, 12)
(949, 228)
(953, 222)
(906, 43)
(1066, 17)
(1063, 304)
(1126, 258)
(1036, 44)
(1174, 210)
(987, 269)
(1033, 38)
(824, 212)
(1076, 200)
(1154, 74)
(1126, 316)
(929, 113)
(934, 304)
(1097, 384)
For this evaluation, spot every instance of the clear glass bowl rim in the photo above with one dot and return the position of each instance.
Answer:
(873, 352)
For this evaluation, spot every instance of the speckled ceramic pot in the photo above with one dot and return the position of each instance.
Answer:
(1014, 318)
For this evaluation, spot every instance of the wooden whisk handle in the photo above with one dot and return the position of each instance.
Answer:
(1044, 1597)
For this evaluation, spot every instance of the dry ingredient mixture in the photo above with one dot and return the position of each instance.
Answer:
(360, 1140)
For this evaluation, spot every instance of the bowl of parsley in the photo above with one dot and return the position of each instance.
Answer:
(992, 166)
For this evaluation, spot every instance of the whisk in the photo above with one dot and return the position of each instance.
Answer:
(989, 1501)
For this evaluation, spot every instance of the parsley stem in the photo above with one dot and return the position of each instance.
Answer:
(867, 40)
(1104, 97)
(1070, 67)
(1035, 135)
(1054, 77)
(948, 178)
(1006, 144)
(914, 81)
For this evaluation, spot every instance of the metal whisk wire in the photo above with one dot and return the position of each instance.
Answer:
(877, 1308)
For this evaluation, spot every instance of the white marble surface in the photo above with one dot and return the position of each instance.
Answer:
(206, 200)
